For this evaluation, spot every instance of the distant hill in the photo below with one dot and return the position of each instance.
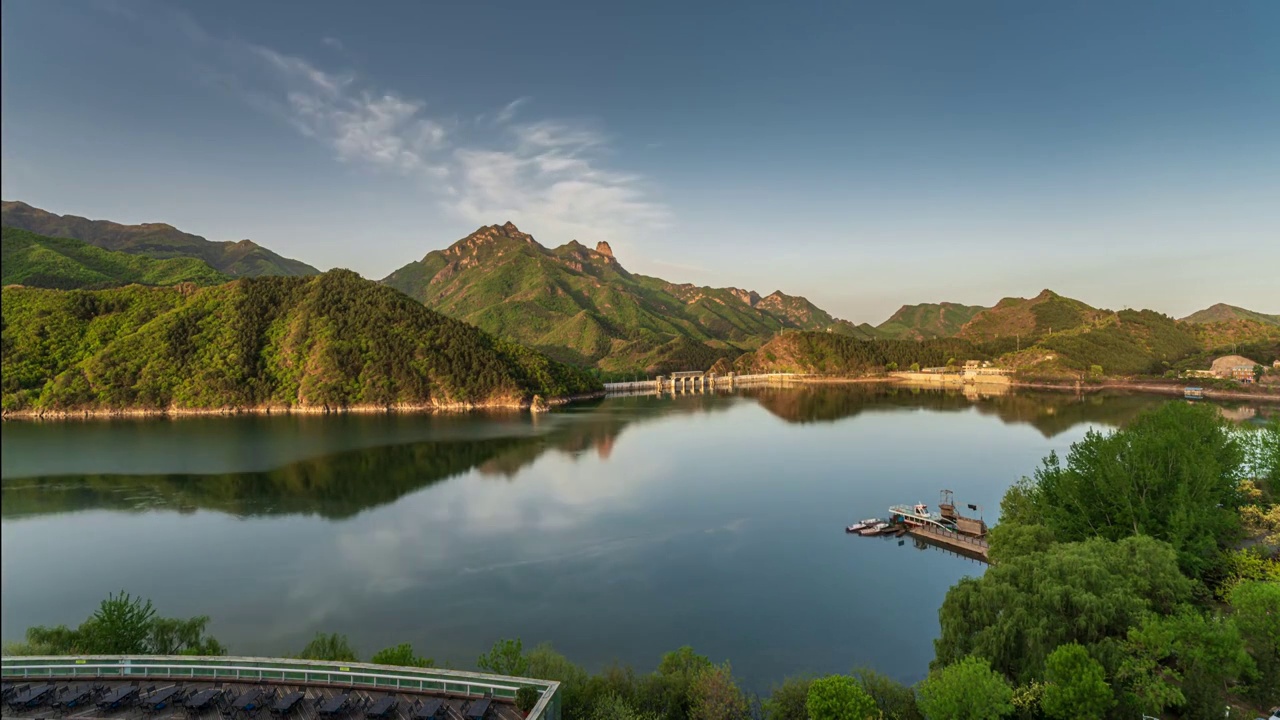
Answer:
(62, 263)
(328, 341)
(1226, 313)
(1128, 342)
(1027, 320)
(157, 240)
(581, 305)
(828, 354)
(927, 320)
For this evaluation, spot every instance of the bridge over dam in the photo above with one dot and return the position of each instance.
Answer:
(690, 381)
(116, 687)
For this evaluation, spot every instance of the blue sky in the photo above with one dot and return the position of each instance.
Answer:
(864, 155)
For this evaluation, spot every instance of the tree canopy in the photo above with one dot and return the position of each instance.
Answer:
(1077, 686)
(1089, 592)
(966, 690)
(1174, 474)
(122, 625)
(839, 697)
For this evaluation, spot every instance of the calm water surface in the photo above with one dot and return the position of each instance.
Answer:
(615, 531)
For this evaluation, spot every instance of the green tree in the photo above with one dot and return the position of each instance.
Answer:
(1095, 371)
(1186, 660)
(120, 626)
(839, 697)
(1076, 685)
(613, 706)
(1258, 372)
(915, 367)
(547, 664)
(891, 367)
(328, 647)
(672, 687)
(1089, 592)
(895, 700)
(506, 657)
(716, 696)
(966, 690)
(175, 636)
(401, 654)
(787, 701)
(1173, 474)
(1256, 610)
(526, 697)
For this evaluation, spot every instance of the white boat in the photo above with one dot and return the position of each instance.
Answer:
(874, 529)
(862, 524)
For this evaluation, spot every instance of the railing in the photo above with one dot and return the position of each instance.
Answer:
(951, 534)
(722, 381)
(302, 672)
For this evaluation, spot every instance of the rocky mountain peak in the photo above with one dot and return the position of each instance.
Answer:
(603, 248)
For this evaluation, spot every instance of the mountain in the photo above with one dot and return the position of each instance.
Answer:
(62, 263)
(157, 240)
(1021, 321)
(829, 354)
(1227, 313)
(581, 305)
(927, 320)
(322, 342)
(1128, 342)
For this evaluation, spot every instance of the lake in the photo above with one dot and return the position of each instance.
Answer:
(616, 530)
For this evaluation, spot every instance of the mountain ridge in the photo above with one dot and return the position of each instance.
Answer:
(242, 258)
(580, 304)
(65, 264)
(926, 321)
(1222, 312)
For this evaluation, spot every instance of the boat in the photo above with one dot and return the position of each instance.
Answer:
(1193, 393)
(874, 529)
(946, 519)
(861, 525)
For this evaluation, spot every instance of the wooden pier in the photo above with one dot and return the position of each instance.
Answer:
(965, 544)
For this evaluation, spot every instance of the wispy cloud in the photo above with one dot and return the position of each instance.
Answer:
(551, 176)
(334, 43)
(508, 111)
(384, 130)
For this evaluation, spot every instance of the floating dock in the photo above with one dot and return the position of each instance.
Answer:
(975, 547)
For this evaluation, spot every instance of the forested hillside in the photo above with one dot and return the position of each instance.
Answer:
(156, 240)
(65, 264)
(1027, 320)
(329, 341)
(927, 321)
(580, 305)
(826, 354)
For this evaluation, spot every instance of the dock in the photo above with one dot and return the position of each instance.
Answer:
(974, 547)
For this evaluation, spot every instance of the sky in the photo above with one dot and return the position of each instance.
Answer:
(862, 154)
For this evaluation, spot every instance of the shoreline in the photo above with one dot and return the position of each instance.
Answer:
(533, 405)
(537, 404)
(1146, 387)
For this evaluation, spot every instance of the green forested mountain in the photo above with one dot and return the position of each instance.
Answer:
(581, 305)
(1128, 342)
(1227, 313)
(927, 320)
(327, 341)
(1027, 320)
(156, 240)
(829, 354)
(65, 264)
